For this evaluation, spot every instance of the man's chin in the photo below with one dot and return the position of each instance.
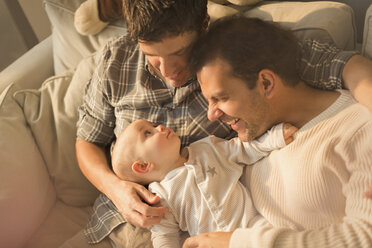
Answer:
(177, 82)
(244, 130)
(244, 136)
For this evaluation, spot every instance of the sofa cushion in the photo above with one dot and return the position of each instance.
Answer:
(309, 20)
(367, 34)
(312, 20)
(51, 113)
(26, 192)
(69, 47)
(62, 223)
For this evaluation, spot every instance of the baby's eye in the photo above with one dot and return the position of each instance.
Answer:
(147, 133)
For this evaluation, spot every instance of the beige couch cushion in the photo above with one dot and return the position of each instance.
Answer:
(308, 19)
(62, 223)
(26, 192)
(317, 20)
(236, 2)
(367, 34)
(51, 113)
(69, 47)
(31, 69)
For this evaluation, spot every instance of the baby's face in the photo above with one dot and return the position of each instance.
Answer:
(156, 144)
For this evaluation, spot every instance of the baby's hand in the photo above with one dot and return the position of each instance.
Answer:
(368, 193)
(288, 131)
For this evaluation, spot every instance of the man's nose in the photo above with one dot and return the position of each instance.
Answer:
(166, 67)
(213, 112)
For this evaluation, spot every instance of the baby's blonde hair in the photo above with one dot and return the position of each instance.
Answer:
(122, 157)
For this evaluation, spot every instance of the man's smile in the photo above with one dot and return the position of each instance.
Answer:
(230, 121)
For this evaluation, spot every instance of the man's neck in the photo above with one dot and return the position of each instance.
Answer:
(300, 104)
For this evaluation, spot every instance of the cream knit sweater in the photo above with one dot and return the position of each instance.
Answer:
(309, 193)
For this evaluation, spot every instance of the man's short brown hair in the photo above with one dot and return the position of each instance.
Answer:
(154, 20)
(248, 45)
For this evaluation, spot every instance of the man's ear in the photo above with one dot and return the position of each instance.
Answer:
(267, 82)
(206, 23)
(142, 167)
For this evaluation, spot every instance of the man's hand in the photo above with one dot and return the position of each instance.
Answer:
(130, 198)
(357, 76)
(368, 193)
(209, 240)
(132, 201)
(288, 131)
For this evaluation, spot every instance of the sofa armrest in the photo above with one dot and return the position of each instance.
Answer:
(27, 193)
(31, 69)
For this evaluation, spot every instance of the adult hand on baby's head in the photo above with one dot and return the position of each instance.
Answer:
(288, 132)
(132, 201)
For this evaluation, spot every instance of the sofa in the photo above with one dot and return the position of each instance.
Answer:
(44, 197)
(367, 34)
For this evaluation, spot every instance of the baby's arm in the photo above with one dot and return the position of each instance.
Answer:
(368, 193)
(288, 132)
(165, 240)
(275, 138)
(167, 233)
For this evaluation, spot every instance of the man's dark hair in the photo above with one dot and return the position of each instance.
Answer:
(154, 20)
(248, 45)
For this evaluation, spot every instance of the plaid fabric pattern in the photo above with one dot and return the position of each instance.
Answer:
(321, 64)
(123, 90)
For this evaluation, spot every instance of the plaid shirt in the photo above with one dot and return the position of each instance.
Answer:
(122, 90)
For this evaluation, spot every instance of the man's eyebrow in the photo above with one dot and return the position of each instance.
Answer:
(219, 94)
(182, 49)
(179, 50)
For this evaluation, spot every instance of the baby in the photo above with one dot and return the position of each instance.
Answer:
(200, 183)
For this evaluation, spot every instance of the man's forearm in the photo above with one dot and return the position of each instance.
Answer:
(357, 77)
(93, 163)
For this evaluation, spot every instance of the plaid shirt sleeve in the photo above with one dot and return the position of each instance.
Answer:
(96, 115)
(321, 64)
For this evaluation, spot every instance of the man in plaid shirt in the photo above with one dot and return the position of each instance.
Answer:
(145, 75)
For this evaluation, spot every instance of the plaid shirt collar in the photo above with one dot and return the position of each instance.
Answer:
(150, 69)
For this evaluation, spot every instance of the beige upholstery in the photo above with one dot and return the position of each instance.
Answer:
(310, 20)
(26, 192)
(367, 34)
(69, 219)
(69, 47)
(22, 71)
(44, 198)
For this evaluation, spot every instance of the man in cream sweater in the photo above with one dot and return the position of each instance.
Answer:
(309, 193)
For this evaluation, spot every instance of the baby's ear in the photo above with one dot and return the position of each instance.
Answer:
(139, 167)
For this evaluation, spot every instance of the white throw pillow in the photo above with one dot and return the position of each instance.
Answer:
(69, 47)
(51, 113)
(311, 20)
